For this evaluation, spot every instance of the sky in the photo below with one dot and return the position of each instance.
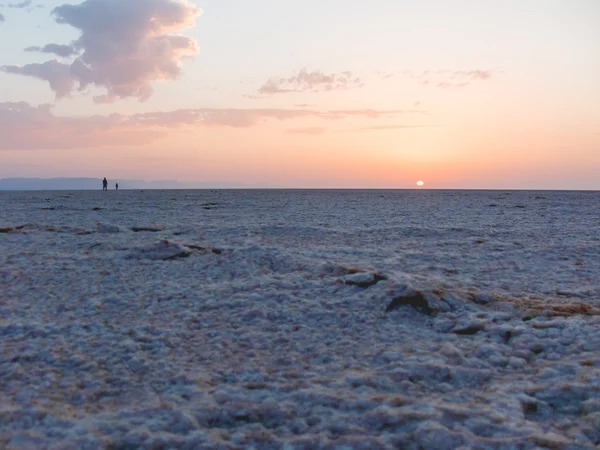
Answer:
(467, 94)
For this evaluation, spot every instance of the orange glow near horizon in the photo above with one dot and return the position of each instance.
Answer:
(265, 155)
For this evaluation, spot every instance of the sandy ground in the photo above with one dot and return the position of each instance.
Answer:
(299, 320)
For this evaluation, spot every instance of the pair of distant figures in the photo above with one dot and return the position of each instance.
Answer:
(105, 185)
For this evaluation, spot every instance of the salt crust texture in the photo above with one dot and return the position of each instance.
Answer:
(299, 320)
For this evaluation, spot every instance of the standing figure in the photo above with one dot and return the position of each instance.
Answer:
(117, 186)
(105, 184)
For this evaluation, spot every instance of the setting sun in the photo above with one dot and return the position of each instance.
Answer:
(420, 183)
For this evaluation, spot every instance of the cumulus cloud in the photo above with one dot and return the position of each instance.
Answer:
(23, 126)
(124, 46)
(305, 81)
(64, 51)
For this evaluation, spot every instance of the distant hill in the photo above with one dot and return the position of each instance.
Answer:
(75, 184)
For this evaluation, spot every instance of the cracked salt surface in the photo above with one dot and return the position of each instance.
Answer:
(146, 320)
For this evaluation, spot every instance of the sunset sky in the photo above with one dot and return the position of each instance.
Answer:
(319, 93)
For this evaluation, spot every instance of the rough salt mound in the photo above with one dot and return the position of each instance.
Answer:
(108, 228)
(163, 251)
(300, 320)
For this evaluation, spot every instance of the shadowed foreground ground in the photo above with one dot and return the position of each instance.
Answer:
(196, 319)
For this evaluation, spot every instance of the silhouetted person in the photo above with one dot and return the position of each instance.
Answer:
(104, 184)
(117, 186)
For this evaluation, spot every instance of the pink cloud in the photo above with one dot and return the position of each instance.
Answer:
(446, 78)
(391, 127)
(473, 74)
(65, 51)
(310, 131)
(23, 4)
(383, 74)
(315, 81)
(372, 113)
(23, 126)
(243, 118)
(125, 46)
(57, 74)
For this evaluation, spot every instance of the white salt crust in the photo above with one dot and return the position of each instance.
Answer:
(248, 319)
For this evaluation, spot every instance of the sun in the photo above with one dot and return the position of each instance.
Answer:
(420, 183)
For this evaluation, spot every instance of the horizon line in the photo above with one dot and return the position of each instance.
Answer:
(304, 189)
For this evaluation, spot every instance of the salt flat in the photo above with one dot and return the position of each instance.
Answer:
(299, 319)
